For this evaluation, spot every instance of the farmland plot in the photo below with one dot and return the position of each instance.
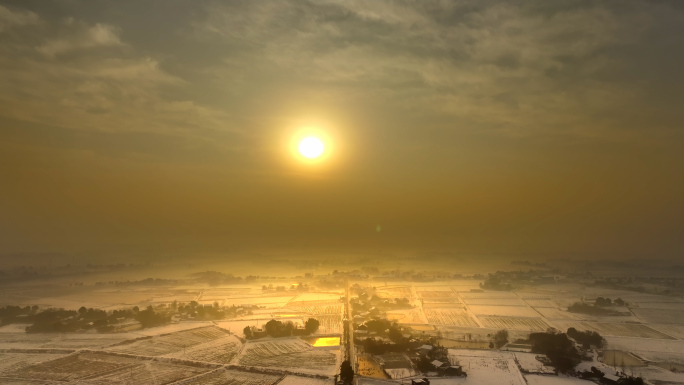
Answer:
(528, 362)
(495, 301)
(15, 362)
(504, 311)
(553, 313)
(409, 316)
(271, 302)
(541, 302)
(170, 328)
(223, 293)
(71, 367)
(424, 286)
(314, 296)
(486, 367)
(536, 379)
(395, 292)
(673, 305)
(329, 324)
(662, 316)
(170, 343)
(654, 350)
(310, 304)
(514, 323)
(63, 340)
(222, 350)
(295, 380)
(234, 377)
(676, 331)
(92, 368)
(656, 375)
(367, 366)
(290, 354)
(333, 308)
(613, 329)
(148, 372)
(437, 294)
(490, 294)
(454, 317)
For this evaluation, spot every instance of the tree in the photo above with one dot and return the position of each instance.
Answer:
(311, 325)
(378, 325)
(276, 328)
(587, 338)
(346, 373)
(248, 332)
(600, 301)
(501, 338)
(273, 327)
(558, 347)
(425, 365)
(82, 310)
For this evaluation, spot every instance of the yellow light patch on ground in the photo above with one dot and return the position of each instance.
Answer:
(325, 341)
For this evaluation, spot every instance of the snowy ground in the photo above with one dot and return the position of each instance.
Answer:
(485, 367)
(650, 349)
(535, 379)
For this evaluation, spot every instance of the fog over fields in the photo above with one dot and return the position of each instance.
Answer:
(347, 192)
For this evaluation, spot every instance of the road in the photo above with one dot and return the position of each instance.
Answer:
(349, 351)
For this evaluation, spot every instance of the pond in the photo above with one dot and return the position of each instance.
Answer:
(324, 341)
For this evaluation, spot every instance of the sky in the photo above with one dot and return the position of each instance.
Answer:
(488, 127)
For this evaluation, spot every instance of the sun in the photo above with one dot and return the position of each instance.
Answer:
(311, 147)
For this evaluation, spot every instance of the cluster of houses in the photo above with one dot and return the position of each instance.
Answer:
(403, 365)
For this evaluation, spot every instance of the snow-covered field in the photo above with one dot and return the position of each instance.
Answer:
(529, 363)
(536, 379)
(295, 380)
(233, 377)
(650, 349)
(612, 329)
(449, 316)
(16, 362)
(655, 334)
(495, 302)
(514, 323)
(107, 369)
(410, 316)
(504, 311)
(166, 344)
(290, 354)
(489, 295)
(222, 350)
(554, 313)
(485, 367)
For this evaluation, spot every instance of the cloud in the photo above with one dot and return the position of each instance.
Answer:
(99, 35)
(9, 18)
(451, 61)
(505, 68)
(85, 77)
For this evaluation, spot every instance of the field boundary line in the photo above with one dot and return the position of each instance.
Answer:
(470, 312)
(189, 379)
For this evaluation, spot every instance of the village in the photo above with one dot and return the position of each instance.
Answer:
(388, 327)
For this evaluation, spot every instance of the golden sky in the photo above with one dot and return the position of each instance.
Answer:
(469, 126)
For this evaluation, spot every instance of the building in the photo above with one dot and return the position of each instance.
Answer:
(425, 349)
(453, 370)
(610, 379)
(396, 365)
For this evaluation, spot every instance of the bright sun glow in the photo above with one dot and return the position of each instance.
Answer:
(311, 147)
